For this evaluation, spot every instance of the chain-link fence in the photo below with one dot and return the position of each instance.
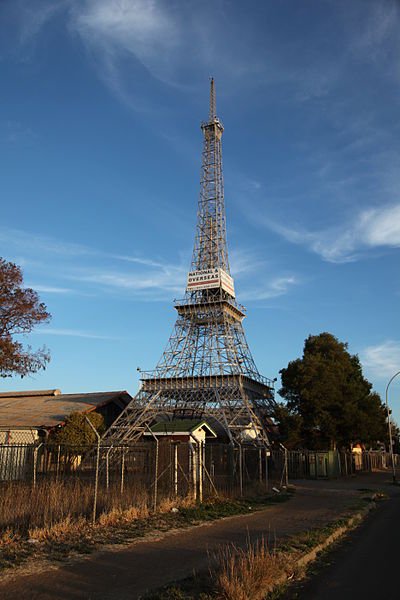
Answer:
(42, 483)
(180, 468)
(308, 464)
(46, 482)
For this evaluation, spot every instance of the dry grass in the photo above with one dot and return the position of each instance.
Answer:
(53, 508)
(251, 572)
(54, 511)
(54, 518)
(24, 509)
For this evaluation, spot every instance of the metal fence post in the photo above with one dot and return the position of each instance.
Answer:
(35, 453)
(156, 477)
(122, 471)
(96, 481)
(285, 474)
(156, 469)
(108, 467)
(200, 462)
(175, 479)
(58, 462)
(286, 467)
(192, 449)
(240, 468)
(212, 464)
(203, 461)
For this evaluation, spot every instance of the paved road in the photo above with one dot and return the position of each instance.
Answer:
(146, 565)
(365, 565)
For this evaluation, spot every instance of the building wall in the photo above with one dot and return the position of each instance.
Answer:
(18, 436)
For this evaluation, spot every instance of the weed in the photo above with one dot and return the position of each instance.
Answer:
(60, 524)
(256, 572)
(249, 573)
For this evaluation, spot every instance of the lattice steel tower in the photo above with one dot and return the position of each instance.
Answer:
(207, 368)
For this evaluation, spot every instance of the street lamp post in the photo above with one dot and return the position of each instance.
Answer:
(390, 428)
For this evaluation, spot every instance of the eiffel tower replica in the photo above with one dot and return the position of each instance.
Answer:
(207, 369)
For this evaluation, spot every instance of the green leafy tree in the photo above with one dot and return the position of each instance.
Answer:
(77, 433)
(20, 311)
(290, 426)
(395, 437)
(327, 394)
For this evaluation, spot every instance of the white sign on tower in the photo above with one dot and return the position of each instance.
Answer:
(209, 279)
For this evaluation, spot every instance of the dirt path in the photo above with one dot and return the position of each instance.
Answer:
(129, 573)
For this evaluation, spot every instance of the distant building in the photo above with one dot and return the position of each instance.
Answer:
(182, 430)
(26, 417)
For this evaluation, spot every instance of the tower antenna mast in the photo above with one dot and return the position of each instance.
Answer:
(213, 107)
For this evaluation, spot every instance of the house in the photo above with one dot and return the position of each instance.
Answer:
(193, 433)
(27, 417)
(182, 430)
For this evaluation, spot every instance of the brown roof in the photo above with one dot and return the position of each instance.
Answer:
(30, 393)
(47, 408)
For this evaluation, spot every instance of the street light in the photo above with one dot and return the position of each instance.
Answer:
(390, 428)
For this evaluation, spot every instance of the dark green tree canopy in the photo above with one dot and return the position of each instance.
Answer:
(328, 400)
(77, 433)
(20, 311)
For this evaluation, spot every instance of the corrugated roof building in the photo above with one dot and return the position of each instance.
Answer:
(24, 415)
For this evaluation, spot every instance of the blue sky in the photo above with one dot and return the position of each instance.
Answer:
(101, 102)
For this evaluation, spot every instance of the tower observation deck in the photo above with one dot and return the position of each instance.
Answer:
(207, 368)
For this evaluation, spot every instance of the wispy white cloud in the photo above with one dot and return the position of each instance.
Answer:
(245, 262)
(48, 246)
(16, 133)
(152, 282)
(72, 333)
(33, 17)
(49, 289)
(378, 31)
(381, 227)
(148, 262)
(143, 33)
(256, 276)
(169, 38)
(142, 27)
(275, 287)
(87, 270)
(23, 241)
(172, 41)
(383, 360)
(371, 228)
(82, 264)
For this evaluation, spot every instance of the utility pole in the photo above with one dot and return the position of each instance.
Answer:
(390, 427)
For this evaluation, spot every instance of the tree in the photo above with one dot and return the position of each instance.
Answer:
(332, 401)
(77, 433)
(290, 426)
(20, 311)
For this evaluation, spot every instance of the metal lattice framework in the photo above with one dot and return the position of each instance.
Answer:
(207, 368)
